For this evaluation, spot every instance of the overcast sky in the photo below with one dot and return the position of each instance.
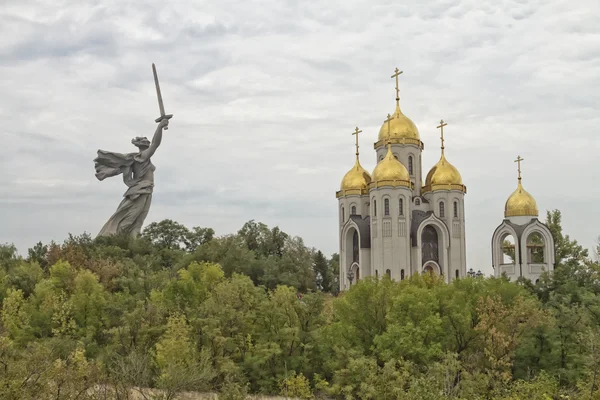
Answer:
(266, 94)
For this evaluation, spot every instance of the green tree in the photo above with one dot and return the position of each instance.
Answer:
(167, 233)
(180, 366)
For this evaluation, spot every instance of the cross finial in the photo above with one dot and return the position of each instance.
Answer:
(441, 127)
(356, 132)
(518, 161)
(388, 140)
(397, 73)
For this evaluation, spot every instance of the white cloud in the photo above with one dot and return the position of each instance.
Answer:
(265, 96)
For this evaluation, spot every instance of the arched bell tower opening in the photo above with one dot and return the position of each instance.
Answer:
(508, 249)
(536, 248)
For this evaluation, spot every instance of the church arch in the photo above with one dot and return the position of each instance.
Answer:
(430, 249)
(432, 267)
(410, 165)
(505, 253)
(545, 235)
(350, 256)
(509, 256)
(429, 244)
(442, 209)
(536, 248)
(353, 209)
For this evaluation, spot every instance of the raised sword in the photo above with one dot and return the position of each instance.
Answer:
(161, 106)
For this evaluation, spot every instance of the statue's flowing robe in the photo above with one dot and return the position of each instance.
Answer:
(134, 207)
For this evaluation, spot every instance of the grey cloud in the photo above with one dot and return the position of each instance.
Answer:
(265, 99)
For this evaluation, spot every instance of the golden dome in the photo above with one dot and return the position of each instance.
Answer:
(520, 203)
(443, 176)
(356, 179)
(401, 127)
(390, 172)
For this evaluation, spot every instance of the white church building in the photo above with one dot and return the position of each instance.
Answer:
(393, 223)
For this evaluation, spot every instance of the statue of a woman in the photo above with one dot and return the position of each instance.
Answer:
(138, 175)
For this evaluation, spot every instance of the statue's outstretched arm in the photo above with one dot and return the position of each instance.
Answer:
(156, 139)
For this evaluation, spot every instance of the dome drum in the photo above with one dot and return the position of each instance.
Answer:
(444, 186)
(350, 192)
(391, 182)
(404, 141)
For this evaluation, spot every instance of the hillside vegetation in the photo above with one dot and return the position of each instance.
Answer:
(179, 311)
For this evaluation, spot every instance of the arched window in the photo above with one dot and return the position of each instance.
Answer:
(417, 202)
(456, 209)
(386, 206)
(374, 208)
(456, 273)
(376, 274)
(410, 165)
(388, 273)
(343, 216)
(442, 210)
(401, 205)
(401, 274)
(396, 156)
(355, 247)
(353, 210)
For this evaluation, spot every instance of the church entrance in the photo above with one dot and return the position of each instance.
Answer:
(429, 245)
(431, 268)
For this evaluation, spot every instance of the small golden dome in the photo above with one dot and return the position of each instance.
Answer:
(443, 174)
(401, 127)
(390, 172)
(356, 178)
(520, 203)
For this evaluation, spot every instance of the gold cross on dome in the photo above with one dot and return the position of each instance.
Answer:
(441, 127)
(518, 161)
(389, 118)
(397, 73)
(356, 132)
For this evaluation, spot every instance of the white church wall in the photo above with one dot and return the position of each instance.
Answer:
(390, 233)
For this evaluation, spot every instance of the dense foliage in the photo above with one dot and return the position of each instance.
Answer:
(179, 310)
